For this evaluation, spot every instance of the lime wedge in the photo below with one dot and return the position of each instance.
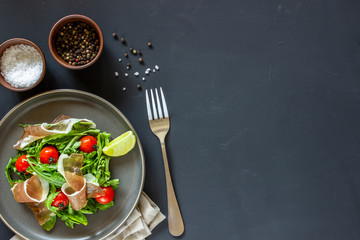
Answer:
(120, 145)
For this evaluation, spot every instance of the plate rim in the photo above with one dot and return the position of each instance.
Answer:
(75, 91)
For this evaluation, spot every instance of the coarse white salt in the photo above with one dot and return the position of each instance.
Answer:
(21, 65)
(154, 70)
(124, 88)
(126, 74)
(119, 59)
(157, 67)
(143, 79)
(116, 74)
(136, 73)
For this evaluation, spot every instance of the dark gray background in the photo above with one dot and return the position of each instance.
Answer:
(264, 99)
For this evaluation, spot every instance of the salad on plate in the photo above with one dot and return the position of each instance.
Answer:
(62, 171)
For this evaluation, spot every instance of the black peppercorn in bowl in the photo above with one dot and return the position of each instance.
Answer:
(76, 41)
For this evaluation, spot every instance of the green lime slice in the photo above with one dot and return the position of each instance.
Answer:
(120, 145)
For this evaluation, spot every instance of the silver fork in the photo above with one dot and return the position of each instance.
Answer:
(160, 125)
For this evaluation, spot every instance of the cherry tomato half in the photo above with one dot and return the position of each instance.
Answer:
(107, 195)
(88, 144)
(60, 201)
(22, 164)
(49, 155)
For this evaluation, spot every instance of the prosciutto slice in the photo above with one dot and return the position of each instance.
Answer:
(33, 192)
(75, 186)
(93, 189)
(33, 189)
(60, 118)
(42, 214)
(76, 198)
(61, 124)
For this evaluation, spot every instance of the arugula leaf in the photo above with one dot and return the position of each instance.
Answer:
(92, 206)
(54, 178)
(9, 169)
(105, 206)
(78, 218)
(72, 217)
(114, 183)
(52, 195)
(50, 223)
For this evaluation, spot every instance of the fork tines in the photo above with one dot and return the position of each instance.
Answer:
(156, 107)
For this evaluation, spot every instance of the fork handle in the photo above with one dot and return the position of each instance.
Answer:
(176, 224)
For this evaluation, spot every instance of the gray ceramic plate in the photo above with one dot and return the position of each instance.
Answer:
(129, 169)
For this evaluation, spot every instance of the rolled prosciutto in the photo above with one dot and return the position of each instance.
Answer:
(33, 192)
(33, 189)
(75, 186)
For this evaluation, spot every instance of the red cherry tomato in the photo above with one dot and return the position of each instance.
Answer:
(60, 201)
(49, 155)
(22, 164)
(107, 195)
(88, 144)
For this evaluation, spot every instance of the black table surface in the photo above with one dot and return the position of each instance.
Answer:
(264, 100)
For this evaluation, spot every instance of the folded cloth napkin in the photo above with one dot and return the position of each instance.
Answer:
(141, 222)
(145, 217)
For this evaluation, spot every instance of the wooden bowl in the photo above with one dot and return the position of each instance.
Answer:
(62, 22)
(17, 41)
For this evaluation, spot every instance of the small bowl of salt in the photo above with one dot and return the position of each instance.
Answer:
(22, 64)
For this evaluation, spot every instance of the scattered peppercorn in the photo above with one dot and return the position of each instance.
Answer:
(115, 35)
(134, 52)
(126, 55)
(128, 64)
(131, 49)
(77, 43)
(122, 40)
(139, 86)
(141, 60)
(140, 53)
(149, 44)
